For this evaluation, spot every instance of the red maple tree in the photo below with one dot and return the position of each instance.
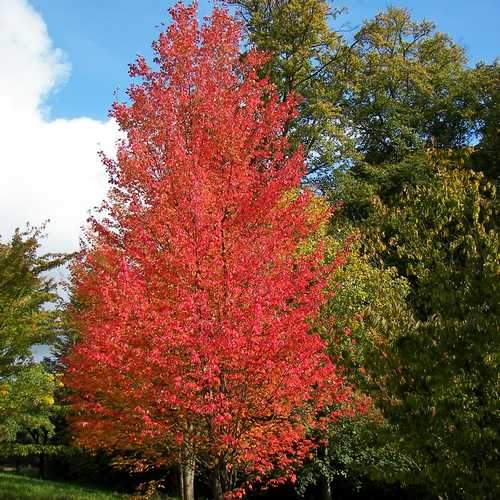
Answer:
(202, 274)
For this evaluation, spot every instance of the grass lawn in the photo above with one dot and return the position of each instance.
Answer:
(15, 487)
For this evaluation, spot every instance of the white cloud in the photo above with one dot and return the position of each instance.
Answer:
(49, 169)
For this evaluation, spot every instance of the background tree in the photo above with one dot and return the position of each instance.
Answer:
(357, 92)
(27, 317)
(443, 236)
(362, 321)
(409, 92)
(307, 58)
(434, 222)
(27, 412)
(406, 65)
(486, 154)
(25, 294)
(201, 279)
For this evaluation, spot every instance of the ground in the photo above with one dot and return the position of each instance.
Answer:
(16, 487)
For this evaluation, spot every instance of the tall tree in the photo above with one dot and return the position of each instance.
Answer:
(201, 279)
(434, 223)
(406, 65)
(308, 58)
(356, 94)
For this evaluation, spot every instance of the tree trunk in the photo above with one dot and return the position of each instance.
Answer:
(217, 489)
(187, 480)
(326, 483)
(41, 465)
(181, 482)
(326, 489)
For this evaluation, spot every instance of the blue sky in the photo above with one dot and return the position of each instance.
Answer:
(100, 38)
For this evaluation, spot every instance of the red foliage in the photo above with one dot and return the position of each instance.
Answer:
(196, 300)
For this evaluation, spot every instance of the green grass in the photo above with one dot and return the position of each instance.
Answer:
(15, 487)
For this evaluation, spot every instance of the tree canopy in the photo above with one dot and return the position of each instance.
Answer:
(28, 317)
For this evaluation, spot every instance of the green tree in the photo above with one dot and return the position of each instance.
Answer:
(27, 410)
(25, 293)
(486, 155)
(356, 95)
(402, 92)
(412, 93)
(361, 323)
(358, 187)
(27, 318)
(307, 58)
(442, 390)
(411, 89)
